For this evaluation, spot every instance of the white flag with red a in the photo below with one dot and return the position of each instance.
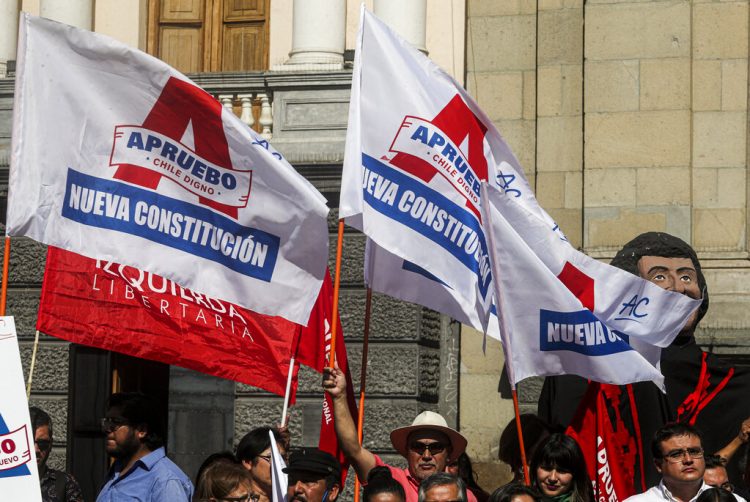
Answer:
(417, 148)
(126, 160)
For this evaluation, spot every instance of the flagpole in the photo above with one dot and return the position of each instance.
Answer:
(362, 381)
(4, 289)
(336, 281)
(287, 392)
(526, 478)
(31, 366)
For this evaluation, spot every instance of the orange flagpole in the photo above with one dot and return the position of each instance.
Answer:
(362, 381)
(520, 438)
(6, 262)
(336, 281)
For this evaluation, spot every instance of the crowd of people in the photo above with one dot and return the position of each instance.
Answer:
(438, 469)
(683, 464)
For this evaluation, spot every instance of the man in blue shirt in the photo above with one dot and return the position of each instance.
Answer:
(141, 470)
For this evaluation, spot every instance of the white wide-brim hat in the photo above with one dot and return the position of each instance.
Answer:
(428, 420)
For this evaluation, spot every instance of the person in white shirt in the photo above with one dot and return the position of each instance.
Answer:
(678, 457)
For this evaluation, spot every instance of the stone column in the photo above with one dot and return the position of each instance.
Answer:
(8, 33)
(79, 13)
(318, 36)
(407, 18)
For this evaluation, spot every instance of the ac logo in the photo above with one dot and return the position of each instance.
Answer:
(630, 309)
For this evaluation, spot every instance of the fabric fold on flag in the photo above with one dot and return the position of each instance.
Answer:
(417, 148)
(127, 160)
(562, 312)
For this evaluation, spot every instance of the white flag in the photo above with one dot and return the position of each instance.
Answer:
(417, 148)
(117, 156)
(278, 477)
(19, 479)
(562, 312)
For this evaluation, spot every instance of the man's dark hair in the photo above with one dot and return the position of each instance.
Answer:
(442, 479)
(670, 430)
(713, 461)
(140, 410)
(716, 495)
(256, 442)
(508, 492)
(380, 480)
(666, 246)
(39, 418)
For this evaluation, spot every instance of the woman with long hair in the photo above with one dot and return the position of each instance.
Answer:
(558, 471)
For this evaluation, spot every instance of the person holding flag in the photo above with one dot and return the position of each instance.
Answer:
(427, 444)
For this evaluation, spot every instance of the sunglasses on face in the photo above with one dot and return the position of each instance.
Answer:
(43, 444)
(419, 448)
(676, 456)
(111, 424)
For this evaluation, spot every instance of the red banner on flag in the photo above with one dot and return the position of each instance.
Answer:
(607, 445)
(123, 309)
(314, 351)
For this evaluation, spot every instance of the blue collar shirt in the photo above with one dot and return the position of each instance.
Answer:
(153, 478)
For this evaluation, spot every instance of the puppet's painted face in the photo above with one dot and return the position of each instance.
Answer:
(673, 274)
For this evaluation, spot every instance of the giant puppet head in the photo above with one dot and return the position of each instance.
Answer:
(663, 245)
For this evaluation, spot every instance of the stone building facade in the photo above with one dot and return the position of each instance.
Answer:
(627, 116)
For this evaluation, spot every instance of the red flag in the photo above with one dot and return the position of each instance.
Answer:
(120, 308)
(314, 350)
(609, 450)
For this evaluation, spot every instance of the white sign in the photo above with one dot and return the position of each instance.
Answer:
(19, 478)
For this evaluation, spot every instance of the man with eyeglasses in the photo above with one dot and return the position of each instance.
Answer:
(427, 444)
(141, 470)
(678, 456)
(57, 486)
(254, 452)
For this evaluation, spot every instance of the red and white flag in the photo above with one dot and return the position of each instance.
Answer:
(127, 160)
(417, 148)
(120, 308)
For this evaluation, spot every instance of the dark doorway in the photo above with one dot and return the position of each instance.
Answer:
(94, 374)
